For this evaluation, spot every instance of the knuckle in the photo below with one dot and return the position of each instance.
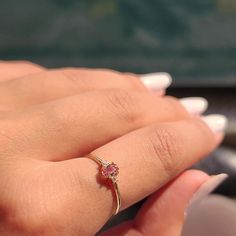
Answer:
(73, 76)
(68, 73)
(123, 104)
(166, 146)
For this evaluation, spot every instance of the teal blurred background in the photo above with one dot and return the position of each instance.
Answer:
(194, 40)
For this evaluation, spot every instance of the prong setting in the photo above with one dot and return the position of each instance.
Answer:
(109, 170)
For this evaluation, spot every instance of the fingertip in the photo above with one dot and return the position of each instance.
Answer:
(188, 182)
(219, 138)
(216, 122)
(170, 203)
(194, 176)
(156, 81)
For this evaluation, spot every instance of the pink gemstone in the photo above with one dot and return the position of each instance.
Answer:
(111, 170)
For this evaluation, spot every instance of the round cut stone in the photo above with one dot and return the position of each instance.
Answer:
(110, 171)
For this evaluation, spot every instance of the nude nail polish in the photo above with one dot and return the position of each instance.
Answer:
(156, 81)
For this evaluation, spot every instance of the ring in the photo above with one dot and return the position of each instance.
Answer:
(110, 172)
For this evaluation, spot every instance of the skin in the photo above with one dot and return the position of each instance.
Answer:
(49, 121)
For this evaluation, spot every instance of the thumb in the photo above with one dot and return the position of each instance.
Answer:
(163, 213)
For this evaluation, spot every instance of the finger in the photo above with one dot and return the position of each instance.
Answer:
(163, 213)
(54, 84)
(77, 125)
(147, 158)
(15, 69)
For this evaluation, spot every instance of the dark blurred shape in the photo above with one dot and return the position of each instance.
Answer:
(193, 40)
(221, 100)
(222, 161)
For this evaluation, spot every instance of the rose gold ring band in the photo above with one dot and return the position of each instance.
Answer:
(110, 172)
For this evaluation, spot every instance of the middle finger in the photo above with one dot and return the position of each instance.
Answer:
(76, 125)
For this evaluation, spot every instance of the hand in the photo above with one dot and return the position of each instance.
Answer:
(50, 119)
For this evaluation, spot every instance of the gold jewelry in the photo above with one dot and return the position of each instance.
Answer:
(109, 171)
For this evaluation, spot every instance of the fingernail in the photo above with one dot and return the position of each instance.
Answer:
(156, 81)
(195, 105)
(204, 190)
(217, 123)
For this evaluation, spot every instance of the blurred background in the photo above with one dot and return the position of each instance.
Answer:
(195, 41)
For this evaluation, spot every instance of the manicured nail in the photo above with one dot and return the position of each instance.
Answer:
(205, 189)
(195, 105)
(156, 81)
(217, 123)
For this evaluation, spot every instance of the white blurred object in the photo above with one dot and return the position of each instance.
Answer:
(214, 216)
